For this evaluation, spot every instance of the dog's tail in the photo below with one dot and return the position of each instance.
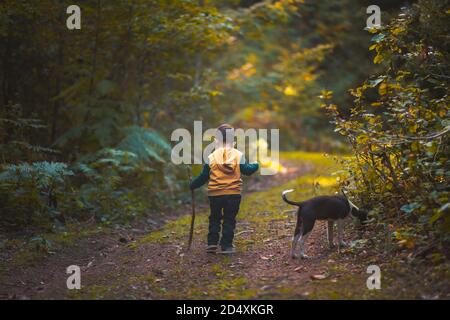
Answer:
(351, 204)
(283, 195)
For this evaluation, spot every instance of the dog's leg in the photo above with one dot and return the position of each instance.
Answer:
(294, 244)
(307, 227)
(342, 244)
(303, 239)
(297, 235)
(330, 233)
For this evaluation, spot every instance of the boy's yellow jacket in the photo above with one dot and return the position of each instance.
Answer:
(223, 170)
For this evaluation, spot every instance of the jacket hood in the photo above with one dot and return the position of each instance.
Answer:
(226, 159)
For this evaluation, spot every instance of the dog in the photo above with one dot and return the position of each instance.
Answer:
(331, 208)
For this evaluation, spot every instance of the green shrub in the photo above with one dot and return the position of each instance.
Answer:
(124, 182)
(29, 189)
(399, 125)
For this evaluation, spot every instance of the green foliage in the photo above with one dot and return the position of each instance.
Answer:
(146, 145)
(399, 123)
(114, 184)
(32, 189)
(268, 75)
(17, 135)
(123, 182)
(105, 98)
(341, 24)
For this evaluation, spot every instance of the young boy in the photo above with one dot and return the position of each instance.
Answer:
(223, 170)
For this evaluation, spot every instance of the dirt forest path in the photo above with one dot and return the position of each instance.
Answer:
(157, 266)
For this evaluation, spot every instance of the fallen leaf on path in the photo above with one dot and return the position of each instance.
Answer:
(319, 276)
(298, 269)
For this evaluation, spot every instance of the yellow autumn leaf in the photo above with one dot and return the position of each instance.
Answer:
(290, 91)
(375, 148)
(382, 90)
(308, 77)
(326, 94)
(362, 139)
(398, 30)
(215, 93)
(378, 59)
(408, 243)
(413, 128)
(278, 5)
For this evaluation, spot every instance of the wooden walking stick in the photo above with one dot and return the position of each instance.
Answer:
(191, 232)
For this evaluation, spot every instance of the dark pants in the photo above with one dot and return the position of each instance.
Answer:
(223, 209)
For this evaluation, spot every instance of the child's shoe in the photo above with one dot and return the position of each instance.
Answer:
(228, 250)
(212, 248)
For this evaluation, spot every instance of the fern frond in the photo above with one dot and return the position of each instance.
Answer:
(147, 144)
